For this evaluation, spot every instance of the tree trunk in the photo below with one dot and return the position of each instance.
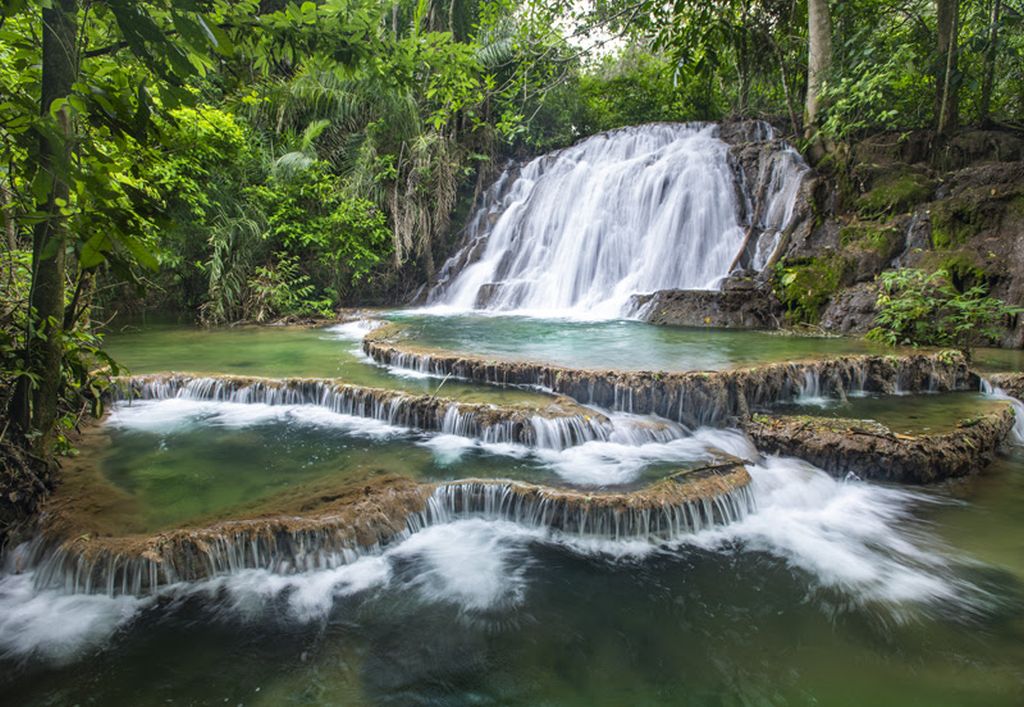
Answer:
(946, 84)
(35, 407)
(989, 72)
(819, 61)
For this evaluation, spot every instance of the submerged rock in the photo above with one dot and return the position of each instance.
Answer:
(873, 451)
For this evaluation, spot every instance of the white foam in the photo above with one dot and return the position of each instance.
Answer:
(58, 627)
(309, 595)
(356, 329)
(856, 537)
(475, 564)
(177, 414)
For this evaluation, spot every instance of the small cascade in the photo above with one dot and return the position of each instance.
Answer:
(665, 511)
(994, 391)
(634, 210)
(562, 425)
(772, 203)
(702, 398)
(370, 520)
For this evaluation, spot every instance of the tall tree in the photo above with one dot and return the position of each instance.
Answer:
(947, 94)
(989, 69)
(35, 401)
(819, 62)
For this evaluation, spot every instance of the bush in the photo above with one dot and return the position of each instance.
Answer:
(920, 308)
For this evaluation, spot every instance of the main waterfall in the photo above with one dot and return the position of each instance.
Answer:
(630, 211)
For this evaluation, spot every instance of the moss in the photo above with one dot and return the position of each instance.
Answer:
(870, 235)
(895, 193)
(954, 222)
(805, 286)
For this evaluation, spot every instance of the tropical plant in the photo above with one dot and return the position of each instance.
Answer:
(918, 307)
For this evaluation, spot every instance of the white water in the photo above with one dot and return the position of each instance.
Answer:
(1017, 434)
(857, 539)
(578, 232)
(181, 414)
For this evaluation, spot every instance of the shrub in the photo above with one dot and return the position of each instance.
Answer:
(917, 307)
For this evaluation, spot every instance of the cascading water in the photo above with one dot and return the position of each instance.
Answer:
(635, 210)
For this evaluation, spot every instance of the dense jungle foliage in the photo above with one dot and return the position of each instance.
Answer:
(257, 159)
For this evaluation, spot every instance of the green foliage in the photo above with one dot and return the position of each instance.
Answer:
(282, 289)
(917, 307)
(628, 89)
(805, 286)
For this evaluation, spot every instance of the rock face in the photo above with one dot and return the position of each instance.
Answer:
(873, 451)
(742, 303)
(911, 200)
(692, 398)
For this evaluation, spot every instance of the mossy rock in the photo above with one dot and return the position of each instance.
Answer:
(806, 285)
(880, 238)
(895, 193)
(954, 222)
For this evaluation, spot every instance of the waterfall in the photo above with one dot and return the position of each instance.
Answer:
(557, 428)
(634, 210)
(645, 519)
(998, 393)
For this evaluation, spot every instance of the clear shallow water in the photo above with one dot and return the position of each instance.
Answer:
(280, 352)
(181, 461)
(911, 414)
(620, 344)
(833, 592)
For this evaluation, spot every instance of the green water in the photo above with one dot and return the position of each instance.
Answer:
(182, 461)
(931, 413)
(619, 344)
(278, 352)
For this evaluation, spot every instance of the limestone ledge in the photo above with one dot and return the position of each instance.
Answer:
(873, 451)
(567, 422)
(363, 517)
(692, 398)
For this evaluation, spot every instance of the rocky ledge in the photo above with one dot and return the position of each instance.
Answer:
(742, 303)
(362, 517)
(559, 424)
(692, 398)
(873, 451)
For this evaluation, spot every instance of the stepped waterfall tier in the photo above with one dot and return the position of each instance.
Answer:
(636, 210)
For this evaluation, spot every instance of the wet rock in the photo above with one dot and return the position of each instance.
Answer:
(852, 311)
(872, 451)
(743, 304)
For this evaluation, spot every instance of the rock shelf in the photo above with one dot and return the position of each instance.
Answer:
(360, 518)
(873, 451)
(692, 398)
